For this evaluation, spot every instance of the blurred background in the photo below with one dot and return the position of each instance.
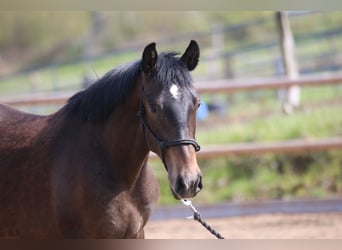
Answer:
(47, 56)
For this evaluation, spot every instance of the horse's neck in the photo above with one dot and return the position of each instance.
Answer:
(123, 141)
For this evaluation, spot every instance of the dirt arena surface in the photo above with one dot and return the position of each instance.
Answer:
(262, 226)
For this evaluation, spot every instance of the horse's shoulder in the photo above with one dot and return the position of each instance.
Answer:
(146, 190)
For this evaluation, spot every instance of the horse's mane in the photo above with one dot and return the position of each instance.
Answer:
(97, 102)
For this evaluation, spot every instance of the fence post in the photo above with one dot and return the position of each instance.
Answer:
(291, 98)
(217, 41)
(96, 27)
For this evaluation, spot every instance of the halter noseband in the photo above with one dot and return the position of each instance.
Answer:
(164, 144)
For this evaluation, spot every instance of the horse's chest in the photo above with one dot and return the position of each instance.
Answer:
(125, 220)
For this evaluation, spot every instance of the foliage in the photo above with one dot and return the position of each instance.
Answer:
(28, 36)
(257, 178)
(41, 37)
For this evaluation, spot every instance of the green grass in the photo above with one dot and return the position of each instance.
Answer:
(269, 176)
(319, 122)
(241, 179)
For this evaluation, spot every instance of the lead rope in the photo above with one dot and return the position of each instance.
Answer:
(197, 216)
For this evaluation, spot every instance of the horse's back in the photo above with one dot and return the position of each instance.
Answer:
(10, 116)
(22, 183)
(18, 128)
(19, 141)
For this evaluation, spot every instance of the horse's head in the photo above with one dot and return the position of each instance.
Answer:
(168, 112)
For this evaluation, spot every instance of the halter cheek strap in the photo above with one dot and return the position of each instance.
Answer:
(164, 144)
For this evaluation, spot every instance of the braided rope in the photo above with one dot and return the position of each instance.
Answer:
(197, 217)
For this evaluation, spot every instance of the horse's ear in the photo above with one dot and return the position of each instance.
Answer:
(191, 55)
(149, 58)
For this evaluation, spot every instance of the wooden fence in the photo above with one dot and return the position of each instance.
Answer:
(257, 148)
(231, 86)
(228, 86)
(215, 86)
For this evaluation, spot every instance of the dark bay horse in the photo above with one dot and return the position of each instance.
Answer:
(82, 172)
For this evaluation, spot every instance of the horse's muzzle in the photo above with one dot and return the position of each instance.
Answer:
(187, 188)
(184, 174)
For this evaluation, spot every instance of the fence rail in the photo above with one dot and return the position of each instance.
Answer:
(227, 86)
(257, 148)
(37, 99)
(294, 146)
(230, 86)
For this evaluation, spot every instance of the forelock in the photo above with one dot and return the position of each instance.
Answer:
(170, 70)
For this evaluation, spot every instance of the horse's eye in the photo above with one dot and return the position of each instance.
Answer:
(199, 105)
(152, 107)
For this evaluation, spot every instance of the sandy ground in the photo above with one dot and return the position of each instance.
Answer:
(274, 226)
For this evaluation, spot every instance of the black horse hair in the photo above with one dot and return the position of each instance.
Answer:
(97, 102)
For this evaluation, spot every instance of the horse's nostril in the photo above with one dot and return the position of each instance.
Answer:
(181, 186)
(199, 185)
(188, 188)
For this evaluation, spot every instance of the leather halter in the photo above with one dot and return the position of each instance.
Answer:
(163, 144)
